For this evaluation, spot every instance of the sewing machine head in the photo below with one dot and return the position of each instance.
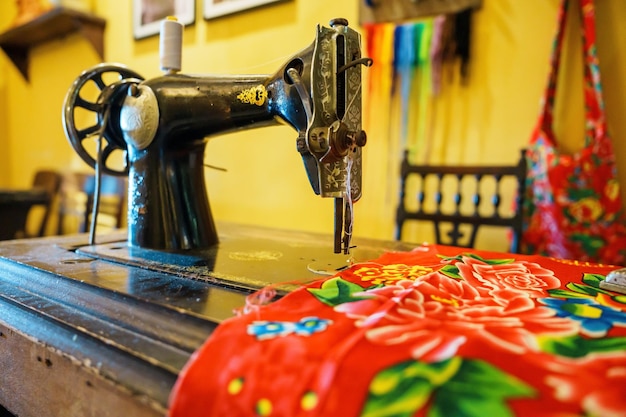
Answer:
(162, 125)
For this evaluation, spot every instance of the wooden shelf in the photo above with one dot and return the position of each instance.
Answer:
(59, 21)
(398, 11)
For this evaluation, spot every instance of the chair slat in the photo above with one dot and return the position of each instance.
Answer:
(464, 223)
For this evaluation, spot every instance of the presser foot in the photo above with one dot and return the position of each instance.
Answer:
(615, 281)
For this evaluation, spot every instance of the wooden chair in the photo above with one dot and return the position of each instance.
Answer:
(78, 193)
(49, 181)
(463, 198)
(112, 201)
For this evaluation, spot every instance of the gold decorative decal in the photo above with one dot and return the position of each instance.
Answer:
(255, 95)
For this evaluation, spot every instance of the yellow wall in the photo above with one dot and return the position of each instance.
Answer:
(488, 120)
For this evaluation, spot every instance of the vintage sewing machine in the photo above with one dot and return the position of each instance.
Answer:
(103, 328)
(163, 125)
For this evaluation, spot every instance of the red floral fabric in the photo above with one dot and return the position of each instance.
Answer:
(572, 203)
(432, 332)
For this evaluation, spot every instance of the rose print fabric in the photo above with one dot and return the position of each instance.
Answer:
(438, 331)
(572, 201)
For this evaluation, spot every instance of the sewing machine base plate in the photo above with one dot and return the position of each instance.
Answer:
(246, 258)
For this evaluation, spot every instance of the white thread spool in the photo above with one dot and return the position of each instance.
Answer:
(171, 43)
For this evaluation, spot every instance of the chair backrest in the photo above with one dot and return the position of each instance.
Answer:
(113, 192)
(50, 181)
(464, 198)
(78, 191)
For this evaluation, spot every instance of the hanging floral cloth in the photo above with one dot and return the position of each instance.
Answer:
(572, 204)
(438, 331)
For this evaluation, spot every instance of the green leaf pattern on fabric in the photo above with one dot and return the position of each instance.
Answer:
(455, 387)
(577, 346)
(337, 291)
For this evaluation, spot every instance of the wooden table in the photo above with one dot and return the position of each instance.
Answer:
(104, 330)
(14, 208)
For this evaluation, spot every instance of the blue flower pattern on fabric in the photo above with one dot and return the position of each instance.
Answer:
(595, 319)
(264, 330)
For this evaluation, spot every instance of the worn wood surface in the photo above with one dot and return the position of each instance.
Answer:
(38, 381)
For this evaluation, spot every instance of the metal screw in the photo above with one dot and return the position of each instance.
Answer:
(360, 138)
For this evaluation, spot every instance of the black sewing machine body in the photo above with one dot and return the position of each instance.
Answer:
(171, 170)
(163, 125)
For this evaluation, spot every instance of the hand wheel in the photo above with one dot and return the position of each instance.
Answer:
(103, 107)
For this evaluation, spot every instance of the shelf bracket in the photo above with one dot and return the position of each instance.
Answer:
(59, 21)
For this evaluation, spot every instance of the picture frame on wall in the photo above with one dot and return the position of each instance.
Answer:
(148, 14)
(217, 8)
